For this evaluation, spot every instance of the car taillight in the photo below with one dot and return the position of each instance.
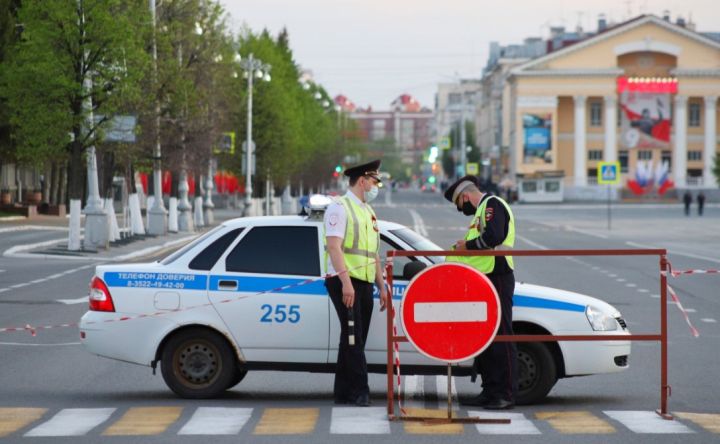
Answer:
(100, 299)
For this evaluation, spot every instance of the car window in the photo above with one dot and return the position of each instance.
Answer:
(419, 243)
(277, 250)
(176, 255)
(206, 259)
(398, 261)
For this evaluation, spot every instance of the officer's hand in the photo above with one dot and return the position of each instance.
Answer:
(383, 297)
(348, 295)
(460, 245)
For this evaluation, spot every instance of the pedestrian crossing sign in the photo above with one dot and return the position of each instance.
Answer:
(608, 173)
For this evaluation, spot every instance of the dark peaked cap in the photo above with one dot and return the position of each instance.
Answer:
(456, 188)
(366, 169)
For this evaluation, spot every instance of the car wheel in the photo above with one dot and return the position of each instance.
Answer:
(198, 364)
(537, 372)
(237, 377)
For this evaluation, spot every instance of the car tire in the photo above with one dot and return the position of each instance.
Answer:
(198, 363)
(537, 372)
(237, 377)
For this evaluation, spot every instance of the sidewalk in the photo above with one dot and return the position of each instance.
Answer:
(132, 248)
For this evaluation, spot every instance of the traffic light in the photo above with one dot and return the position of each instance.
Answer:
(338, 169)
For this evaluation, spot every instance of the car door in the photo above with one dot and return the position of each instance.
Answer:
(278, 316)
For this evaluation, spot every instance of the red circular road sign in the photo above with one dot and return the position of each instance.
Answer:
(450, 312)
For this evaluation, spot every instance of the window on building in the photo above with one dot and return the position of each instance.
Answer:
(623, 158)
(596, 113)
(454, 99)
(592, 175)
(694, 172)
(667, 157)
(644, 155)
(595, 155)
(694, 115)
(694, 155)
(299, 247)
(377, 132)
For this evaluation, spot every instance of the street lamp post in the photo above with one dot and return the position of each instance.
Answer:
(251, 66)
(157, 223)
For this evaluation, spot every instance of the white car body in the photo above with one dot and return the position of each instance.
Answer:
(296, 328)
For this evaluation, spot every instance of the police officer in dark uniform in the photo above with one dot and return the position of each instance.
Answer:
(352, 240)
(493, 227)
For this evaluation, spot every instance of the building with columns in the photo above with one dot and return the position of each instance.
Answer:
(643, 92)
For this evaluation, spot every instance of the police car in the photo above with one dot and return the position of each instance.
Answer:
(249, 295)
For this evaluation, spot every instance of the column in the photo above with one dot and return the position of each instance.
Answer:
(579, 170)
(709, 150)
(679, 164)
(610, 151)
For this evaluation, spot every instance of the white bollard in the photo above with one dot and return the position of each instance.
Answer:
(113, 227)
(173, 215)
(136, 222)
(74, 227)
(198, 213)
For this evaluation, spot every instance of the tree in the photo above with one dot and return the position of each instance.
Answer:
(61, 45)
(9, 30)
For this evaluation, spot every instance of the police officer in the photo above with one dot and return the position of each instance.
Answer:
(492, 227)
(353, 265)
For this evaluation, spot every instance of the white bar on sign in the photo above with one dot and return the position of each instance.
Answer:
(450, 312)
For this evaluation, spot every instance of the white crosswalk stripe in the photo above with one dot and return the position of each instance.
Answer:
(216, 421)
(646, 422)
(413, 392)
(72, 422)
(359, 421)
(519, 424)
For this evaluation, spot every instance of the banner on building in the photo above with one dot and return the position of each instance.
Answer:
(537, 136)
(646, 113)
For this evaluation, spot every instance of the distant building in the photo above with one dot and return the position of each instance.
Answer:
(406, 129)
(452, 101)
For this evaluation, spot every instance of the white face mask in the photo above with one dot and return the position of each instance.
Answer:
(372, 194)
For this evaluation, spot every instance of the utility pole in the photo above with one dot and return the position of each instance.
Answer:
(157, 222)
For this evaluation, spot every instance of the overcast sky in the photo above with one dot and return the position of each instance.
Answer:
(374, 50)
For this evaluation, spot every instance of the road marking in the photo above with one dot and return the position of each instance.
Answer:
(359, 420)
(423, 428)
(2, 271)
(419, 224)
(13, 419)
(679, 253)
(643, 290)
(646, 422)
(531, 243)
(441, 382)
(72, 422)
(620, 280)
(519, 424)
(691, 310)
(216, 421)
(3, 290)
(656, 296)
(450, 311)
(612, 275)
(287, 421)
(708, 421)
(414, 392)
(577, 422)
(81, 300)
(144, 421)
(709, 320)
(631, 285)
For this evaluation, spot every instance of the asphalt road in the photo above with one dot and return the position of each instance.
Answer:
(51, 374)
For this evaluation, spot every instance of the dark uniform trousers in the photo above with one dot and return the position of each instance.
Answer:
(351, 375)
(498, 363)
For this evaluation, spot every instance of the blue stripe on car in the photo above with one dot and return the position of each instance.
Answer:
(258, 284)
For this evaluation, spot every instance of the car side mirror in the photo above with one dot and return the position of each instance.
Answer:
(412, 268)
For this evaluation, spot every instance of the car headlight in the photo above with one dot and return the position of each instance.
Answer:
(599, 320)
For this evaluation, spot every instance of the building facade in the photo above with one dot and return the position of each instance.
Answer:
(644, 93)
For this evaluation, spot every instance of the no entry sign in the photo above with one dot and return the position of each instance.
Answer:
(450, 312)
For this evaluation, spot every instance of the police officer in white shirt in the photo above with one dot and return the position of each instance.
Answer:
(352, 240)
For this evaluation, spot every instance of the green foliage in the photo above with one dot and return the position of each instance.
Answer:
(716, 169)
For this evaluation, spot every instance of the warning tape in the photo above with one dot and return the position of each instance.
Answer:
(34, 329)
(675, 297)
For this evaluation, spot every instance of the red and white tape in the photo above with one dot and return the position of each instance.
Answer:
(34, 329)
(675, 297)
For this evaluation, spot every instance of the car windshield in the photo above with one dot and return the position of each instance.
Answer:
(174, 256)
(418, 243)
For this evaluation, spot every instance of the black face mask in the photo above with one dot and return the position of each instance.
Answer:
(468, 209)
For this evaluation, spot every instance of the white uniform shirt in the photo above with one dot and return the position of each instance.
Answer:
(335, 221)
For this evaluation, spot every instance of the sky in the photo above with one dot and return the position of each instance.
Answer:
(374, 50)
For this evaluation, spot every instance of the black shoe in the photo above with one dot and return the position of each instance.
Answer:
(362, 401)
(477, 401)
(499, 404)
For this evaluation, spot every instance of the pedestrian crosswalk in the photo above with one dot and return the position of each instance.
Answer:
(222, 420)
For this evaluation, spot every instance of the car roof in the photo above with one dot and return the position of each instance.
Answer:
(291, 220)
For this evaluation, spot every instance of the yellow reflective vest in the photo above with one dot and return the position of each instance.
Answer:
(361, 241)
(486, 264)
